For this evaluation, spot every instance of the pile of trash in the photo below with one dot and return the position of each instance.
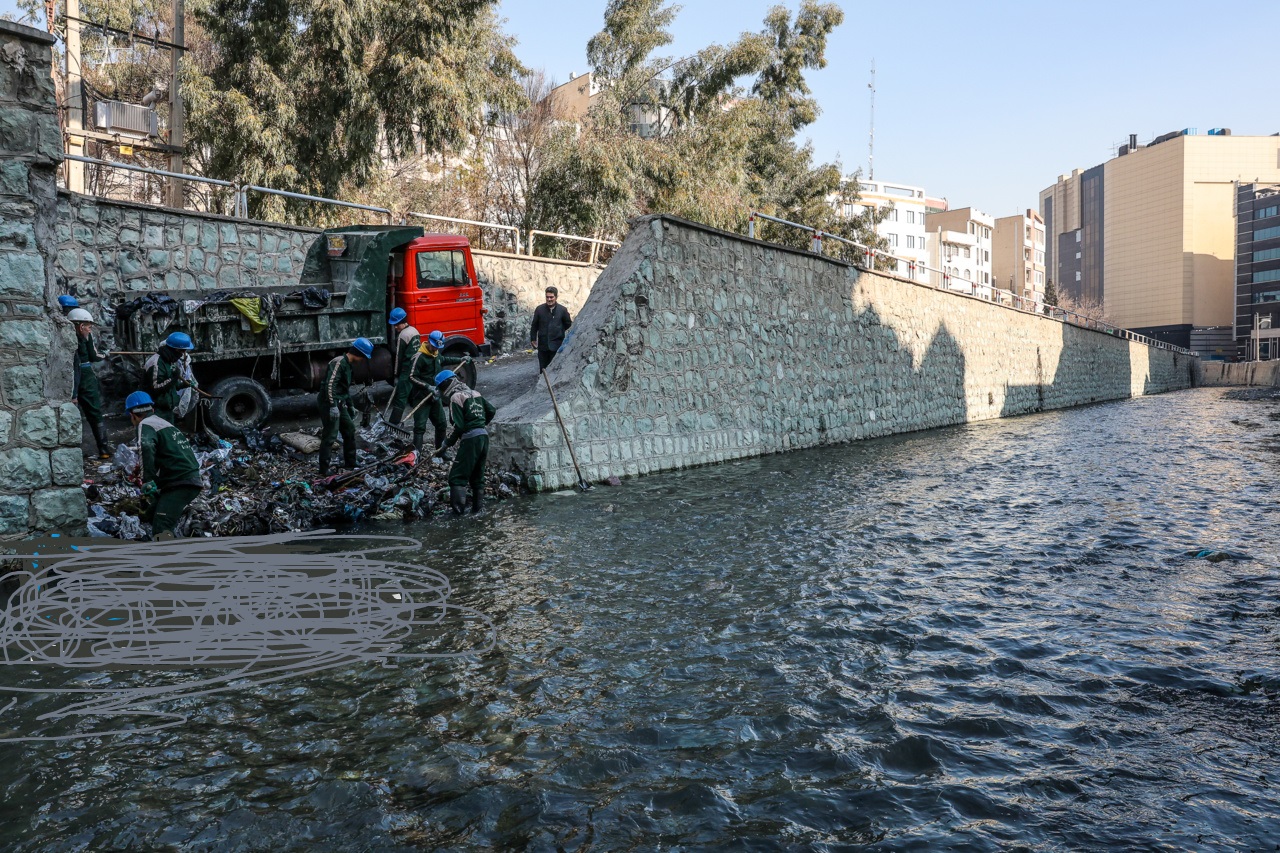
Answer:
(268, 483)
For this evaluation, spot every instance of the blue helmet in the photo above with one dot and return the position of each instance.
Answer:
(67, 301)
(179, 340)
(435, 340)
(444, 376)
(138, 400)
(397, 317)
(363, 346)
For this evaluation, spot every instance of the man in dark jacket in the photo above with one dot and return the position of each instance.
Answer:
(86, 391)
(337, 411)
(550, 322)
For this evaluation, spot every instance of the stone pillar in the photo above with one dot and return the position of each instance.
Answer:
(41, 467)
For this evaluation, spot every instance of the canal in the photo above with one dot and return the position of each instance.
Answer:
(997, 636)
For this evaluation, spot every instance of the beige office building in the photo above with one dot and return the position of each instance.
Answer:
(1017, 255)
(1150, 234)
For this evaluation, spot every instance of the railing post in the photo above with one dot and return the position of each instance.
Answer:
(817, 242)
(751, 225)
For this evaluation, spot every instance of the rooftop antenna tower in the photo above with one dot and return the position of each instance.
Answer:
(871, 144)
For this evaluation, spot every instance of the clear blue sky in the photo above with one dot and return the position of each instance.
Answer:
(986, 103)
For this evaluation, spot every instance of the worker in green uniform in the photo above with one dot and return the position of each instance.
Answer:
(87, 393)
(337, 412)
(429, 362)
(164, 371)
(170, 472)
(405, 347)
(470, 414)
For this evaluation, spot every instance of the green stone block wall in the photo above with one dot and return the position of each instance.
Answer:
(697, 346)
(41, 469)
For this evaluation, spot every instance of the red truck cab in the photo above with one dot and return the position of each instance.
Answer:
(434, 281)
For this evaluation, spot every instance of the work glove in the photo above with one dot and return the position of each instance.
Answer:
(151, 491)
(334, 414)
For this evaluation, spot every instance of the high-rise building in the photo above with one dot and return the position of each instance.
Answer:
(960, 244)
(1017, 255)
(1257, 272)
(1150, 233)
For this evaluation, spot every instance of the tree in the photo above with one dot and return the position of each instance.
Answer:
(311, 96)
(1050, 293)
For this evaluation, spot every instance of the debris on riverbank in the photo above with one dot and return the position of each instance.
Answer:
(263, 484)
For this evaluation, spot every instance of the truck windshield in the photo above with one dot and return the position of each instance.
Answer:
(442, 269)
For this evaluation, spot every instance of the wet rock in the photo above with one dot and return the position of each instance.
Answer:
(58, 509)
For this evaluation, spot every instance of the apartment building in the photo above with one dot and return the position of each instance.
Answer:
(1017, 255)
(1151, 235)
(960, 243)
(903, 227)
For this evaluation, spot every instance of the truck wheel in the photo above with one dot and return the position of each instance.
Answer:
(467, 372)
(243, 404)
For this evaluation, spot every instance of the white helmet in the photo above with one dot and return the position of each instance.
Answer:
(79, 315)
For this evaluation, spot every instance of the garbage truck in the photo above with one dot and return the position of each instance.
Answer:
(252, 341)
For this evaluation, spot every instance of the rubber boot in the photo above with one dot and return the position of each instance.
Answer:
(324, 462)
(349, 459)
(458, 499)
(477, 501)
(440, 436)
(100, 436)
(417, 441)
(397, 414)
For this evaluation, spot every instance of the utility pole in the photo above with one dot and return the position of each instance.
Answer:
(871, 145)
(175, 104)
(75, 100)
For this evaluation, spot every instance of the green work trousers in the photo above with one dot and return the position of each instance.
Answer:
(435, 412)
(346, 425)
(89, 396)
(169, 507)
(403, 387)
(468, 465)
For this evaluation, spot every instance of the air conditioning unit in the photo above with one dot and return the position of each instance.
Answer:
(128, 120)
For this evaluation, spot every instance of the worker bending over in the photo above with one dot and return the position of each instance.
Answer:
(170, 472)
(168, 372)
(87, 393)
(337, 411)
(470, 414)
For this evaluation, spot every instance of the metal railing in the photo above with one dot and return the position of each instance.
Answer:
(239, 198)
(595, 242)
(964, 286)
(242, 201)
(515, 231)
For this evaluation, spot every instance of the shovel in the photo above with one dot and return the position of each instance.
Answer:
(402, 430)
(583, 485)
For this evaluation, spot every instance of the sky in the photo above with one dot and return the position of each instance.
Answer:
(985, 103)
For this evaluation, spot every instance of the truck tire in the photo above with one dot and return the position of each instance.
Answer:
(459, 347)
(243, 404)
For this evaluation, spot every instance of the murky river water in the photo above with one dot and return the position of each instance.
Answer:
(987, 637)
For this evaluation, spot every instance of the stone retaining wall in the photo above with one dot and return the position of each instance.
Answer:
(514, 286)
(698, 346)
(1221, 373)
(41, 467)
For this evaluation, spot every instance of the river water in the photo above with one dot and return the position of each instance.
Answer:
(987, 637)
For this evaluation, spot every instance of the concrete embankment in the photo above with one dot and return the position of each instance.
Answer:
(1221, 373)
(700, 346)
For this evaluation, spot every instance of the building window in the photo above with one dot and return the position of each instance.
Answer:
(1077, 276)
(911, 241)
(911, 217)
(848, 211)
(1266, 212)
(968, 276)
(1267, 296)
(986, 278)
(986, 256)
(893, 241)
(1267, 255)
(921, 244)
(966, 251)
(1266, 275)
(1077, 237)
(1039, 278)
(1267, 233)
(893, 215)
(971, 228)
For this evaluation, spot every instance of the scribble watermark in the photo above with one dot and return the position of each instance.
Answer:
(256, 610)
